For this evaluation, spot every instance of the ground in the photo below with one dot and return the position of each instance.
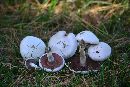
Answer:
(108, 19)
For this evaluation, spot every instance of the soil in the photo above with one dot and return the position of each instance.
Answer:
(90, 64)
(31, 61)
(57, 61)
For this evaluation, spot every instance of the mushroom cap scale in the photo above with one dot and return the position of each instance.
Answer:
(99, 52)
(88, 37)
(32, 47)
(54, 67)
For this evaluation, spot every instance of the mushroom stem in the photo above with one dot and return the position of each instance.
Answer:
(82, 53)
(33, 65)
(50, 57)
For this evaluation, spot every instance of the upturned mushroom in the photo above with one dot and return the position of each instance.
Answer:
(99, 52)
(31, 64)
(81, 63)
(51, 61)
(31, 48)
(65, 45)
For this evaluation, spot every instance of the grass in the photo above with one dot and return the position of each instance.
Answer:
(19, 18)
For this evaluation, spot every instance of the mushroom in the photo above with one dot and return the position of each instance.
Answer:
(85, 38)
(31, 63)
(81, 62)
(99, 52)
(65, 45)
(31, 48)
(51, 61)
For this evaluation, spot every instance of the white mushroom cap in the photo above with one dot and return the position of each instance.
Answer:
(99, 52)
(51, 70)
(32, 47)
(88, 37)
(57, 36)
(64, 45)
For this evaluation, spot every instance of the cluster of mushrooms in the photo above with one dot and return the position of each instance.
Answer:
(63, 46)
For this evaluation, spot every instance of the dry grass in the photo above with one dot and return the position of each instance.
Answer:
(109, 20)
